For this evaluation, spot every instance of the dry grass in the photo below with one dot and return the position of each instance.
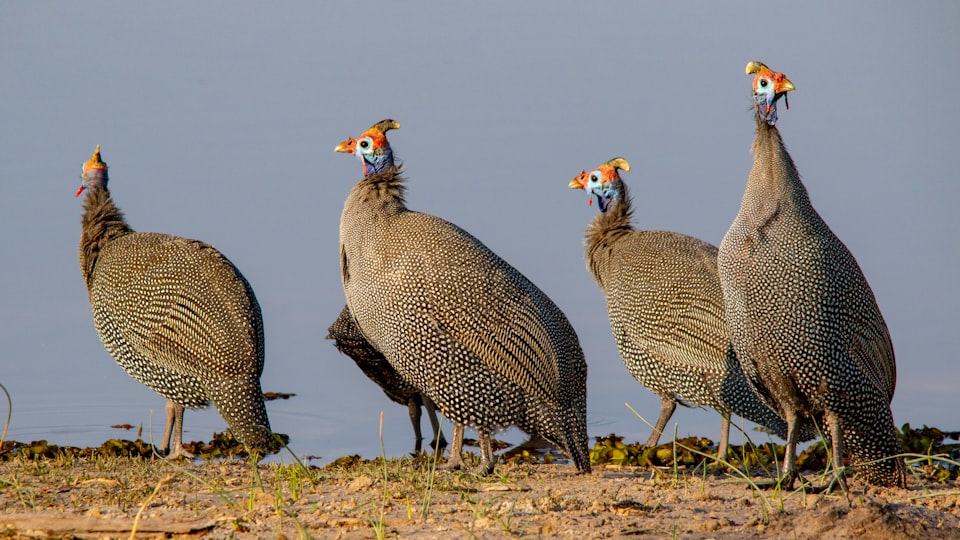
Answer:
(104, 496)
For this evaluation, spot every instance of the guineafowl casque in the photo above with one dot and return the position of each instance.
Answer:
(176, 315)
(454, 319)
(350, 341)
(802, 318)
(666, 310)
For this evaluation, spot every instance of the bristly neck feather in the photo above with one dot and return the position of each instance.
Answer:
(102, 222)
(386, 188)
(606, 229)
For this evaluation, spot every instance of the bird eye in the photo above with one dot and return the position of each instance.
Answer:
(365, 143)
(763, 83)
(595, 177)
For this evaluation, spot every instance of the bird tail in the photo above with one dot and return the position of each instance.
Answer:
(564, 426)
(240, 403)
(575, 435)
(873, 441)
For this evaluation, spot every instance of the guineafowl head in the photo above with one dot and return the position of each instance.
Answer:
(94, 173)
(768, 87)
(372, 147)
(603, 182)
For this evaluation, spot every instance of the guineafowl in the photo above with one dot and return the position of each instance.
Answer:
(801, 316)
(175, 314)
(454, 319)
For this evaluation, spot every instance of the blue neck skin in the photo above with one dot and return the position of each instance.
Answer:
(605, 194)
(380, 160)
(767, 106)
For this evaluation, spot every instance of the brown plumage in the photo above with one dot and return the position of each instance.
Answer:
(175, 314)
(802, 318)
(350, 341)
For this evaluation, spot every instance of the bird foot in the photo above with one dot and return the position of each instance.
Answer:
(485, 468)
(179, 452)
(453, 464)
(838, 480)
(717, 469)
(783, 483)
(788, 479)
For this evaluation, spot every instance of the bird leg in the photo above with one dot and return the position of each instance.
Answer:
(790, 459)
(724, 436)
(455, 462)
(837, 448)
(487, 459)
(667, 406)
(438, 443)
(174, 425)
(413, 408)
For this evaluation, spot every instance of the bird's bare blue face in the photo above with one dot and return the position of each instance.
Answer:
(604, 184)
(768, 87)
(766, 99)
(375, 153)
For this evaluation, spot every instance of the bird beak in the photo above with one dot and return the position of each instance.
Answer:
(580, 182)
(783, 84)
(80, 190)
(348, 146)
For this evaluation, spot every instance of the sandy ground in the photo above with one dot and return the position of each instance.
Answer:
(101, 497)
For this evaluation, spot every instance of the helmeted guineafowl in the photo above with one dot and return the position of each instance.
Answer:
(802, 318)
(175, 314)
(666, 310)
(349, 340)
(456, 320)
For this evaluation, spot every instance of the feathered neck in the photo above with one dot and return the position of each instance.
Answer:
(102, 222)
(774, 174)
(384, 189)
(606, 229)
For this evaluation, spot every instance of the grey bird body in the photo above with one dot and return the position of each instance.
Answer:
(666, 312)
(802, 318)
(459, 323)
(349, 340)
(178, 317)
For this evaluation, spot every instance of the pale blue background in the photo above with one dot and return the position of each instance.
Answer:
(218, 121)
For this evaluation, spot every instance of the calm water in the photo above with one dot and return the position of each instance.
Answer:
(81, 413)
(220, 126)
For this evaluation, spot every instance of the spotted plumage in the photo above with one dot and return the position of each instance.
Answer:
(350, 341)
(666, 310)
(456, 320)
(802, 318)
(175, 314)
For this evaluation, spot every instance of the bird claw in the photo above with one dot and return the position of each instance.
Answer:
(179, 452)
(452, 465)
(485, 468)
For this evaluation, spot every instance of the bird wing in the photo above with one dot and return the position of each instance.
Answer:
(667, 283)
(189, 309)
(864, 332)
(868, 344)
(488, 306)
